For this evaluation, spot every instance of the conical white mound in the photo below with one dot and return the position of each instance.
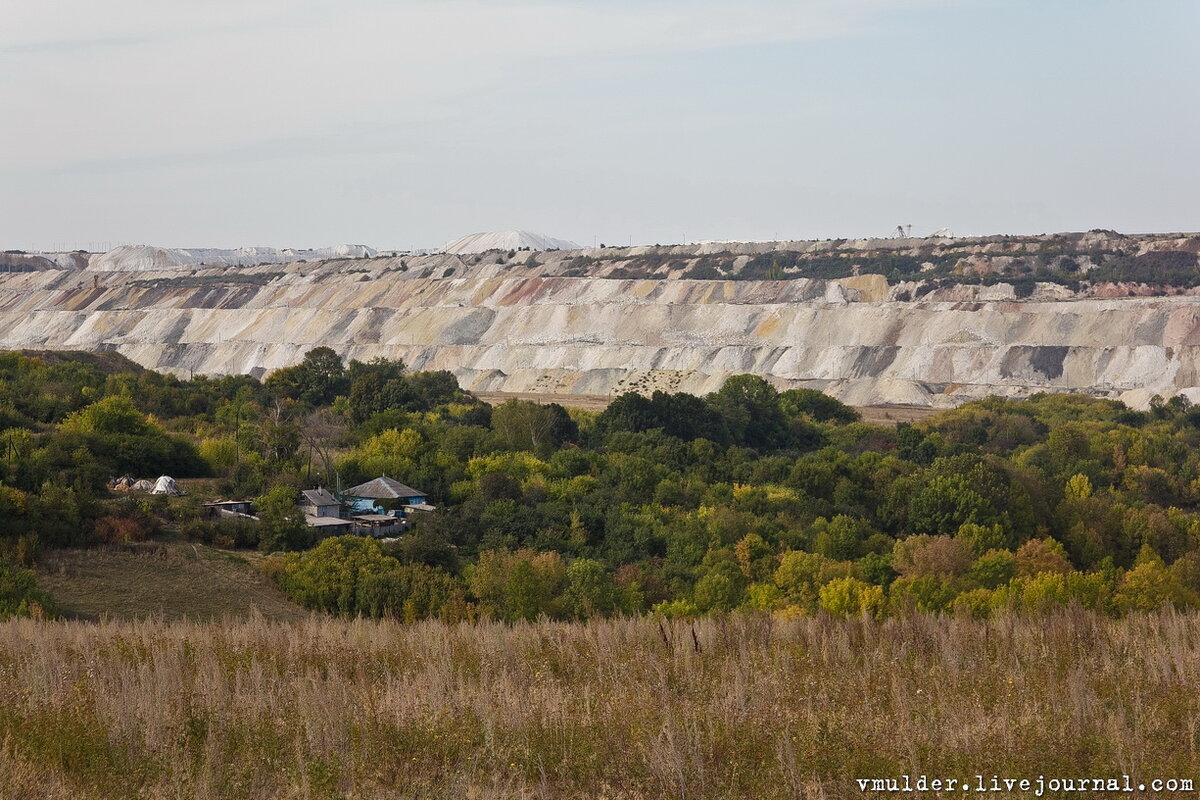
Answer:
(507, 240)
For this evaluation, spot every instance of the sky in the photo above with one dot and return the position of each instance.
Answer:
(407, 123)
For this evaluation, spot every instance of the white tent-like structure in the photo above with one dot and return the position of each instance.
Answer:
(166, 485)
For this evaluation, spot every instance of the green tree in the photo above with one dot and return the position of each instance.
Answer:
(840, 538)
(750, 408)
(281, 522)
(316, 380)
(821, 407)
(1050, 590)
(992, 569)
(590, 589)
(755, 557)
(514, 585)
(630, 412)
(409, 592)
(62, 515)
(1078, 487)
(979, 539)
(923, 593)
(541, 429)
(718, 590)
(965, 489)
(378, 385)
(331, 576)
(112, 436)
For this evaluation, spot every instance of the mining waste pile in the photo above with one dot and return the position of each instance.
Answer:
(912, 321)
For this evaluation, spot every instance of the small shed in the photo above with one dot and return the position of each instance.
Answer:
(329, 526)
(378, 525)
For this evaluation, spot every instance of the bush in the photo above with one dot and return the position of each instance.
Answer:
(20, 595)
(226, 533)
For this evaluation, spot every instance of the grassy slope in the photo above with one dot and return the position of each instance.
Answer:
(174, 580)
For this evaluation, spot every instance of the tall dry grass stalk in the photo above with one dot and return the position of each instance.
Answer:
(747, 707)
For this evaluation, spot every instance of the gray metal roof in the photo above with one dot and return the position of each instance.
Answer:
(384, 488)
(319, 497)
(327, 522)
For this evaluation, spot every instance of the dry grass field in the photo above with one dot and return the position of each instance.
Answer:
(891, 416)
(744, 707)
(588, 402)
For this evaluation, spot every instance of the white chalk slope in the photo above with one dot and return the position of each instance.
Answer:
(507, 240)
(135, 258)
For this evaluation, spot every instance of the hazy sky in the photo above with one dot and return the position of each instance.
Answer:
(410, 122)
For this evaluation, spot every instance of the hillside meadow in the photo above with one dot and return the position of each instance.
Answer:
(166, 579)
(739, 706)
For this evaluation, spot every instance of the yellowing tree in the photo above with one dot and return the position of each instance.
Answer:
(116, 414)
(393, 453)
(520, 466)
(850, 596)
(1150, 585)
(1078, 487)
(801, 575)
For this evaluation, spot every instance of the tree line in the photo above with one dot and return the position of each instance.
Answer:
(674, 504)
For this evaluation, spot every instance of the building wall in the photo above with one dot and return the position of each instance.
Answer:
(367, 505)
(361, 505)
(322, 511)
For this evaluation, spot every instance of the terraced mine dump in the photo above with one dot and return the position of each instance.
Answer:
(929, 322)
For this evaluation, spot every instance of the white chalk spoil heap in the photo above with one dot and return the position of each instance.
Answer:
(140, 257)
(507, 240)
(543, 322)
